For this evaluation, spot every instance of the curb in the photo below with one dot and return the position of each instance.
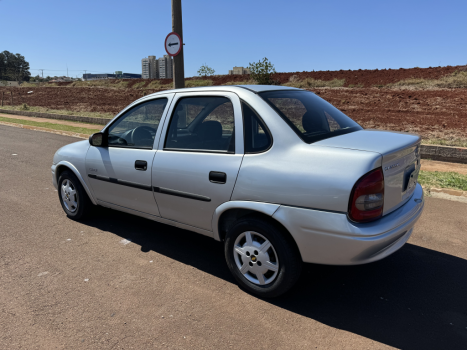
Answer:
(52, 131)
(444, 153)
(75, 118)
(448, 191)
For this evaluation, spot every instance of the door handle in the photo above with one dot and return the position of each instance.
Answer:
(141, 165)
(218, 177)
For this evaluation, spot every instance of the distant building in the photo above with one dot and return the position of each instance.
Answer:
(150, 68)
(239, 71)
(111, 76)
(165, 67)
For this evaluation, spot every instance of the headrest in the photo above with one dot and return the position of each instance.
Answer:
(209, 130)
(311, 122)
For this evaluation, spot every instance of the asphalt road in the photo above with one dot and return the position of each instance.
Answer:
(122, 282)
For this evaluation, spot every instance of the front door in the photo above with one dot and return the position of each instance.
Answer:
(199, 156)
(120, 174)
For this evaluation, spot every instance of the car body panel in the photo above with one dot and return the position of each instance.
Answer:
(399, 153)
(304, 176)
(332, 239)
(188, 172)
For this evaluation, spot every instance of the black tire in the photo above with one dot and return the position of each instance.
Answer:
(289, 259)
(84, 204)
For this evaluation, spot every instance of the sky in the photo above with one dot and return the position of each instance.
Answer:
(104, 36)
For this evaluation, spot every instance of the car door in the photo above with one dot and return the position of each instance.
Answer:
(199, 156)
(120, 174)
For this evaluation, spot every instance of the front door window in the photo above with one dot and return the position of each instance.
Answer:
(137, 127)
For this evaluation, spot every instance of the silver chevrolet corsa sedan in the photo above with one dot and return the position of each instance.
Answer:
(277, 174)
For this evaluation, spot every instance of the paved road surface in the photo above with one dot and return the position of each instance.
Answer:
(70, 285)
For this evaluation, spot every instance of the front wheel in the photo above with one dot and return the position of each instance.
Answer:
(73, 197)
(263, 260)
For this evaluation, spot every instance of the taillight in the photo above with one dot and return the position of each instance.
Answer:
(367, 197)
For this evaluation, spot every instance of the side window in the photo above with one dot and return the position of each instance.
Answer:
(137, 127)
(256, 136)
(202, 123)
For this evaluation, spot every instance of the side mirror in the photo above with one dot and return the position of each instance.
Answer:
(99, 139)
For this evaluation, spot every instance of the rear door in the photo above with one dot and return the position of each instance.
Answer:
(120, 174)
(199, 156)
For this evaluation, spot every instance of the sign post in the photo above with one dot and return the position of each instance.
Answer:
(177, 28)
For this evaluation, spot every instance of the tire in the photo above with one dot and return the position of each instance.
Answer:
(73, 198)
(248, 259)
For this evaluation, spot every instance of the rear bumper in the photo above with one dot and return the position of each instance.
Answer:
(330, 238)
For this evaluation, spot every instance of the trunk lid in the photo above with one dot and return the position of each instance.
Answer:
(400, 160)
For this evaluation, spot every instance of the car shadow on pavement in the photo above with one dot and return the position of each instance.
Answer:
(414, 299)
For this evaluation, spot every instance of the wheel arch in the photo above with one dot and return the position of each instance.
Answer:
(64, 165)
(227, 213)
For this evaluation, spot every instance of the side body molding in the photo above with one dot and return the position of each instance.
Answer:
(265, 208)
(64, 163)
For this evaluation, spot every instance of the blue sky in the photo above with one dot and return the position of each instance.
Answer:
(104, 36)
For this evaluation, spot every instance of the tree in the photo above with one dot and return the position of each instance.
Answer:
(262, 72)
(13, 67)
(205, 71)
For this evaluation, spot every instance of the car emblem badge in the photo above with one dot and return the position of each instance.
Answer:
(391, 167)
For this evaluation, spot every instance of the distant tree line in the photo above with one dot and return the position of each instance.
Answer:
(13, 67)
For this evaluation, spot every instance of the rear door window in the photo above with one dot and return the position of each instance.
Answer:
(311, 117)
(202, 123)
(256, 135)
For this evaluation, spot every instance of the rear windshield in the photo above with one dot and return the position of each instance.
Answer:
(311, 117)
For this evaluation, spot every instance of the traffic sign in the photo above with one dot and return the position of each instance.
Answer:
(173, 44)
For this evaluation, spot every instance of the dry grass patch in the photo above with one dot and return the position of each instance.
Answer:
(243, 82)
(315, 83)
(456, 80)
(25, 107)
(198, 82)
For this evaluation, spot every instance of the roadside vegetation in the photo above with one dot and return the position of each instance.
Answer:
(53, 126)
(437, 179)
(310, 83)
(25, 107)
(455, 142)
(458, 79)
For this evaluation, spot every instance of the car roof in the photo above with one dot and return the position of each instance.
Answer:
(233, 88)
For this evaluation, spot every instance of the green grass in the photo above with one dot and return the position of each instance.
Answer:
(439, 179)
(53, 126)
(59, 111)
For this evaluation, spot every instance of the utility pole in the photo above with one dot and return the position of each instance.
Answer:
(42, 73)
(178, 70)
(85, 74)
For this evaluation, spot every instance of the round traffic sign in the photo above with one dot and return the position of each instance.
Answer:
(173, 44)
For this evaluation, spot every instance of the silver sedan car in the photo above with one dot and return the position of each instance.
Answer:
(277, 174)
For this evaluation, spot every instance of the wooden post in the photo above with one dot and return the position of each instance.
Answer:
(11, 98)
(2, 98)
(178, 69)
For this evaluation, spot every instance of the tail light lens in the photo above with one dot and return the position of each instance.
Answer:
(367, 197)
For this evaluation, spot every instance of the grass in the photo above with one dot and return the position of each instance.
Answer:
(315, 83)
(439, 179)
(243, 82)
(59, 111)
(458, 79)
(456, 142)
(53, 126)
(198, 82)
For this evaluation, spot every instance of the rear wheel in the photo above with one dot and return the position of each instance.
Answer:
(263, 260)
(73, 198)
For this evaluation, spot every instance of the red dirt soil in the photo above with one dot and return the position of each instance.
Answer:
(431, 113)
